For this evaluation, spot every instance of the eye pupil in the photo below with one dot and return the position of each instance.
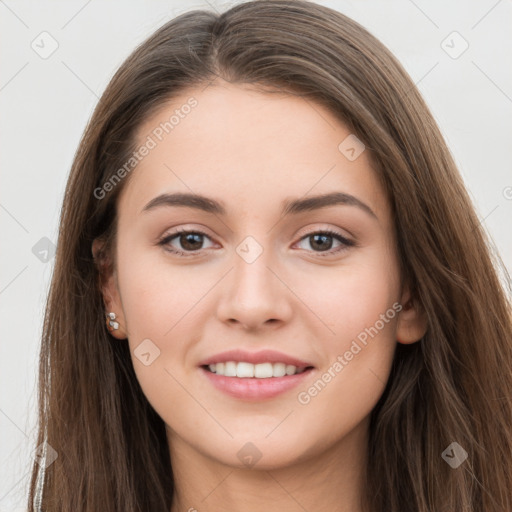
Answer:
(323, 238)
(188, 238)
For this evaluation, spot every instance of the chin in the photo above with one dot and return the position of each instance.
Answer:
(261, 453)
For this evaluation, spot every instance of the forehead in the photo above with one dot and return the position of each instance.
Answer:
(249, 149)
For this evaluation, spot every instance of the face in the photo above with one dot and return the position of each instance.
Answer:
(260, 267)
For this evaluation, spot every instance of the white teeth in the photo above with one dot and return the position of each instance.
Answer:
(279, 370)
(263, 370)
(244, 370)
(230, 369)
(260, 371)
(290, 369)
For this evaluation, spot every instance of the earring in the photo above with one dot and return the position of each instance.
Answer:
(111, 324)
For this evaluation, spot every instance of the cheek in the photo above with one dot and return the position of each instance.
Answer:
(352, 298)
(357, 358)
(157, 299)
(360, 307)
(161, 302)
(155, 293)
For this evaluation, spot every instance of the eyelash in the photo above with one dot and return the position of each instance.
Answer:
(344, 241)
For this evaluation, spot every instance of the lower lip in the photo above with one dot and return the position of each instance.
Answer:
(253, 388)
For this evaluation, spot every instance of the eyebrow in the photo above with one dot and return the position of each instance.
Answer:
(295, 206)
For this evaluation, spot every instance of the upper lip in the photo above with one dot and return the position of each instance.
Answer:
(262, 356)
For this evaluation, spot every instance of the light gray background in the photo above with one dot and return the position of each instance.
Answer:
(45, 104)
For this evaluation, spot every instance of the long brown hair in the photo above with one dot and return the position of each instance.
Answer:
(454, 385)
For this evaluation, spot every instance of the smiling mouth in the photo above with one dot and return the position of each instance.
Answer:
(246, 370)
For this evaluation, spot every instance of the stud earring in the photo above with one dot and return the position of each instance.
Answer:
(112, 325)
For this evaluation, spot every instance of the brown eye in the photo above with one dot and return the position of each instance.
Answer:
(322, 242)
(190, 241)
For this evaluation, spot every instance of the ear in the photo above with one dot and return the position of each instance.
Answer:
(412, 321)
(108, 284)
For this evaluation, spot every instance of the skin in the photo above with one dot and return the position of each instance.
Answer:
(252, 150)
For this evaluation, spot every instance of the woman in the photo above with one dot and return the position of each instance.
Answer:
(271, 289)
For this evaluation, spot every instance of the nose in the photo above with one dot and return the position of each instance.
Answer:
(254, 295)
